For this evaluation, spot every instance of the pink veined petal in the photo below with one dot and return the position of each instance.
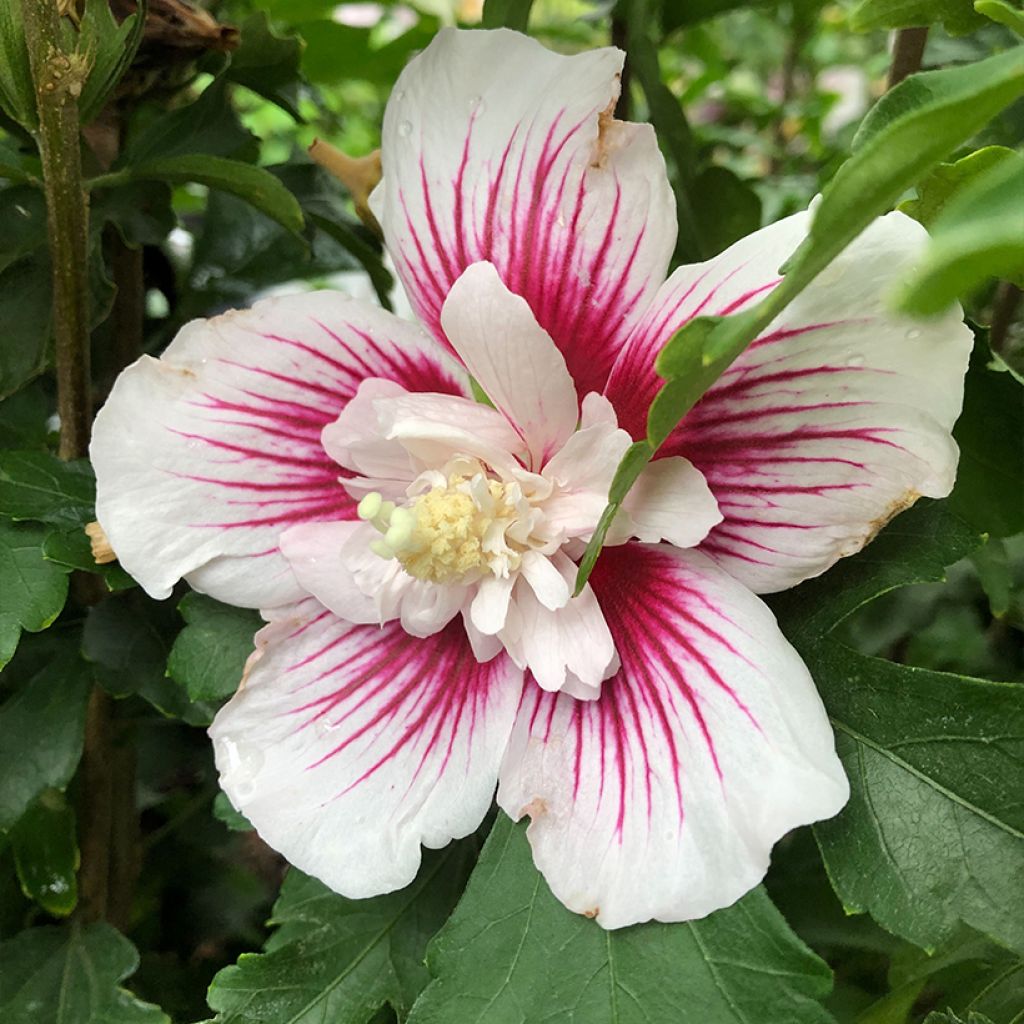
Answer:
(835, 419)
(348, 747)
(571, 206)
(570, 645)
(670, 501)
(663, 798)
(333, 562)
(205, 455)
(512, 358)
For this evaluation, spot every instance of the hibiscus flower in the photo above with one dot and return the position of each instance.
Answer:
(414, 549)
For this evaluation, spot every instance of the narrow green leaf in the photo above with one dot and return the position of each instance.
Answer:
(507, 14)
(256, 186)
(17, 96)
(957, 16)
(637, 456)
(947, 180)
(512, 954)
(110, 47)
(46, 853)
(32, 590)
(38, 485)
(999, 10)
(339, 960)
(71, 975)
(43, 726)
(978, 235)
(210, 652)
(908, 131)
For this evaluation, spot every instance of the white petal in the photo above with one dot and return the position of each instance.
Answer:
(663, 798)
(490, 605)
(497, 149)
(834, 420)
(334, 563)
(204, 456)
(549, 586)
(512, 358)
(349, 746)
(554, 645)
(583, 471)
(670, 501)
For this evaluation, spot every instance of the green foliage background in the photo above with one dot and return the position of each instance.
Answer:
(906, 908)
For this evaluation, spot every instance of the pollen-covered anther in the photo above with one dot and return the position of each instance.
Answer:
(450, 534)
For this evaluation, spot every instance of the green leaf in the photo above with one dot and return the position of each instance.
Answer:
(110, 47)
(999, 10)
(669, 120)
(73, 550)
(43, 726)
(210, 652)
(729, 209)
(140, 210)
(26, 305)
(23, 215)
(208, 126)
(990, 433)
(931, 833)
(933, 827)
(32, 590)
(908, 131)
(957, 16)
(268, 63)
(339, 960)
(513, 14)
(512, 953)
(17, 96)
(38, 485)
(70, 975)
(128, 638)
(256, 186)
(46, 854)
(224, 812)
(947, 180)
(979, 234)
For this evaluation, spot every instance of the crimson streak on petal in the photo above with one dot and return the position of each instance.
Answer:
(349, 746)
(663, 797)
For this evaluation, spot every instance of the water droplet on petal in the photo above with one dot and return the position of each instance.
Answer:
(405, 129)
(855, 359)
(913, 334)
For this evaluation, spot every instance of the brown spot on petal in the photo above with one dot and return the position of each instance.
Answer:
(536, 808)
(875, 527)
(605, 120)
(592, 913)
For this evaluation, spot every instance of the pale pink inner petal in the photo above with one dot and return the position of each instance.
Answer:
(512, 358)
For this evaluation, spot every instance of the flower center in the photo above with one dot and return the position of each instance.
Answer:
(453, 533)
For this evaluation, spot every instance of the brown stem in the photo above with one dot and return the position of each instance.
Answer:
(128, 313)
(95, 810)
(1004, 312)
(57, 79)
(907, 52)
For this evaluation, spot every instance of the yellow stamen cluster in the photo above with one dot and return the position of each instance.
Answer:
(445, 535)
